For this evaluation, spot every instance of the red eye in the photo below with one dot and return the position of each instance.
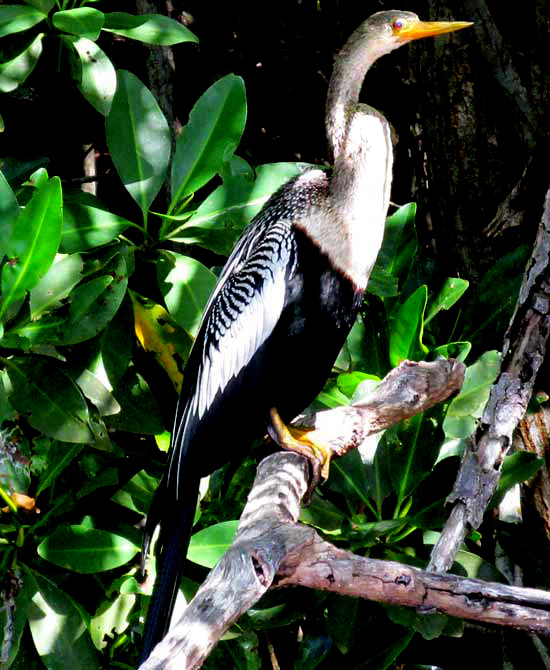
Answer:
(397, 25)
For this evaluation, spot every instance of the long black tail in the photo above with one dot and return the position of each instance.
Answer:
(176, 522)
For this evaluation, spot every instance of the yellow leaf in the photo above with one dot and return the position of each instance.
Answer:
(159, 334)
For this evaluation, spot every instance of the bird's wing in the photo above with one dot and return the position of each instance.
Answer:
(241, 314)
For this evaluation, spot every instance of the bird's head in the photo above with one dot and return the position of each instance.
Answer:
(385, 31)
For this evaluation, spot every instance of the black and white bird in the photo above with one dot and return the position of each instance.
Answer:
(284, 304)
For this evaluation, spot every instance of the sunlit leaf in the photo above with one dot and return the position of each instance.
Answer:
(149, 28)
(33, 243)
(214, 131)
(15, 18)
(49, 399)
(86, 550)
(452, 290)
(137, 493)
(14, 71)
(88, 224)
(58, 629)
(9, 211)
(186, 286)
(56, 284)
(112, 617)
(138, 138)
(98, 80)
(209, 545)
(407, 329)
(84, 21)
(159, 333)
(468, 406)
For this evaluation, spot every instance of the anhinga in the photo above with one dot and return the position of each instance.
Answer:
(284, 303)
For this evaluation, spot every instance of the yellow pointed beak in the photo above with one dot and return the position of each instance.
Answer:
(418, 29)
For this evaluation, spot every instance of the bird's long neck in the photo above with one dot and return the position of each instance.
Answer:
(360, 141)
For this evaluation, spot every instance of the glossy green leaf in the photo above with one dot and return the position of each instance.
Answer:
(84, 21)
(95, 302)
(97, 393)
(86, 550)
(49, 399)
(399, 245)
(98, 79)
(56, 284)
(406, 329)
(137, 493)
(14, 71)
(138, 138)
(9, 212)
(452, 290)
(87, 224)
(16, 18)
(468, 406)
(58, 629)
(42, 5)
(215, 127)
(113, 617)
(209, 545)
(150, 28)
(186, 286)
(33, 243)
(220, 219)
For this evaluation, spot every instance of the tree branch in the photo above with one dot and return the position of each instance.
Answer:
(523, 353)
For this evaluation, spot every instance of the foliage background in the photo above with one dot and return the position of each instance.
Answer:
(458, 156)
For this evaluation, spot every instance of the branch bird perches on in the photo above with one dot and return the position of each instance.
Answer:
(286, 300)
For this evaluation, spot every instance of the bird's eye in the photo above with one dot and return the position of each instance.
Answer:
(397, 25)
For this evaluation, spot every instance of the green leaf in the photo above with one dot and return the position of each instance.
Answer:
(16, 18)
(9, 212)
(14, 71)
(33, 243)
(49, 399)
(468, 406)
(137, 493)
(58, 629)
(186, 286)
(88, 224)
(452, 290)
(209, 545)
(95, 302)
(215, 127)
(150, 28)
(323, 514)
(111, 617)
(56, 284)
(348, 477)
(98, 79)
(86, 550)
(407, 328)
(516, 468)
(84, 21)
(458, 350)
(220, 219)
(399, 245)
(138, 138)
(42, 5)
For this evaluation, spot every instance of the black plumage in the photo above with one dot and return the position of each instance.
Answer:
(284, 304)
